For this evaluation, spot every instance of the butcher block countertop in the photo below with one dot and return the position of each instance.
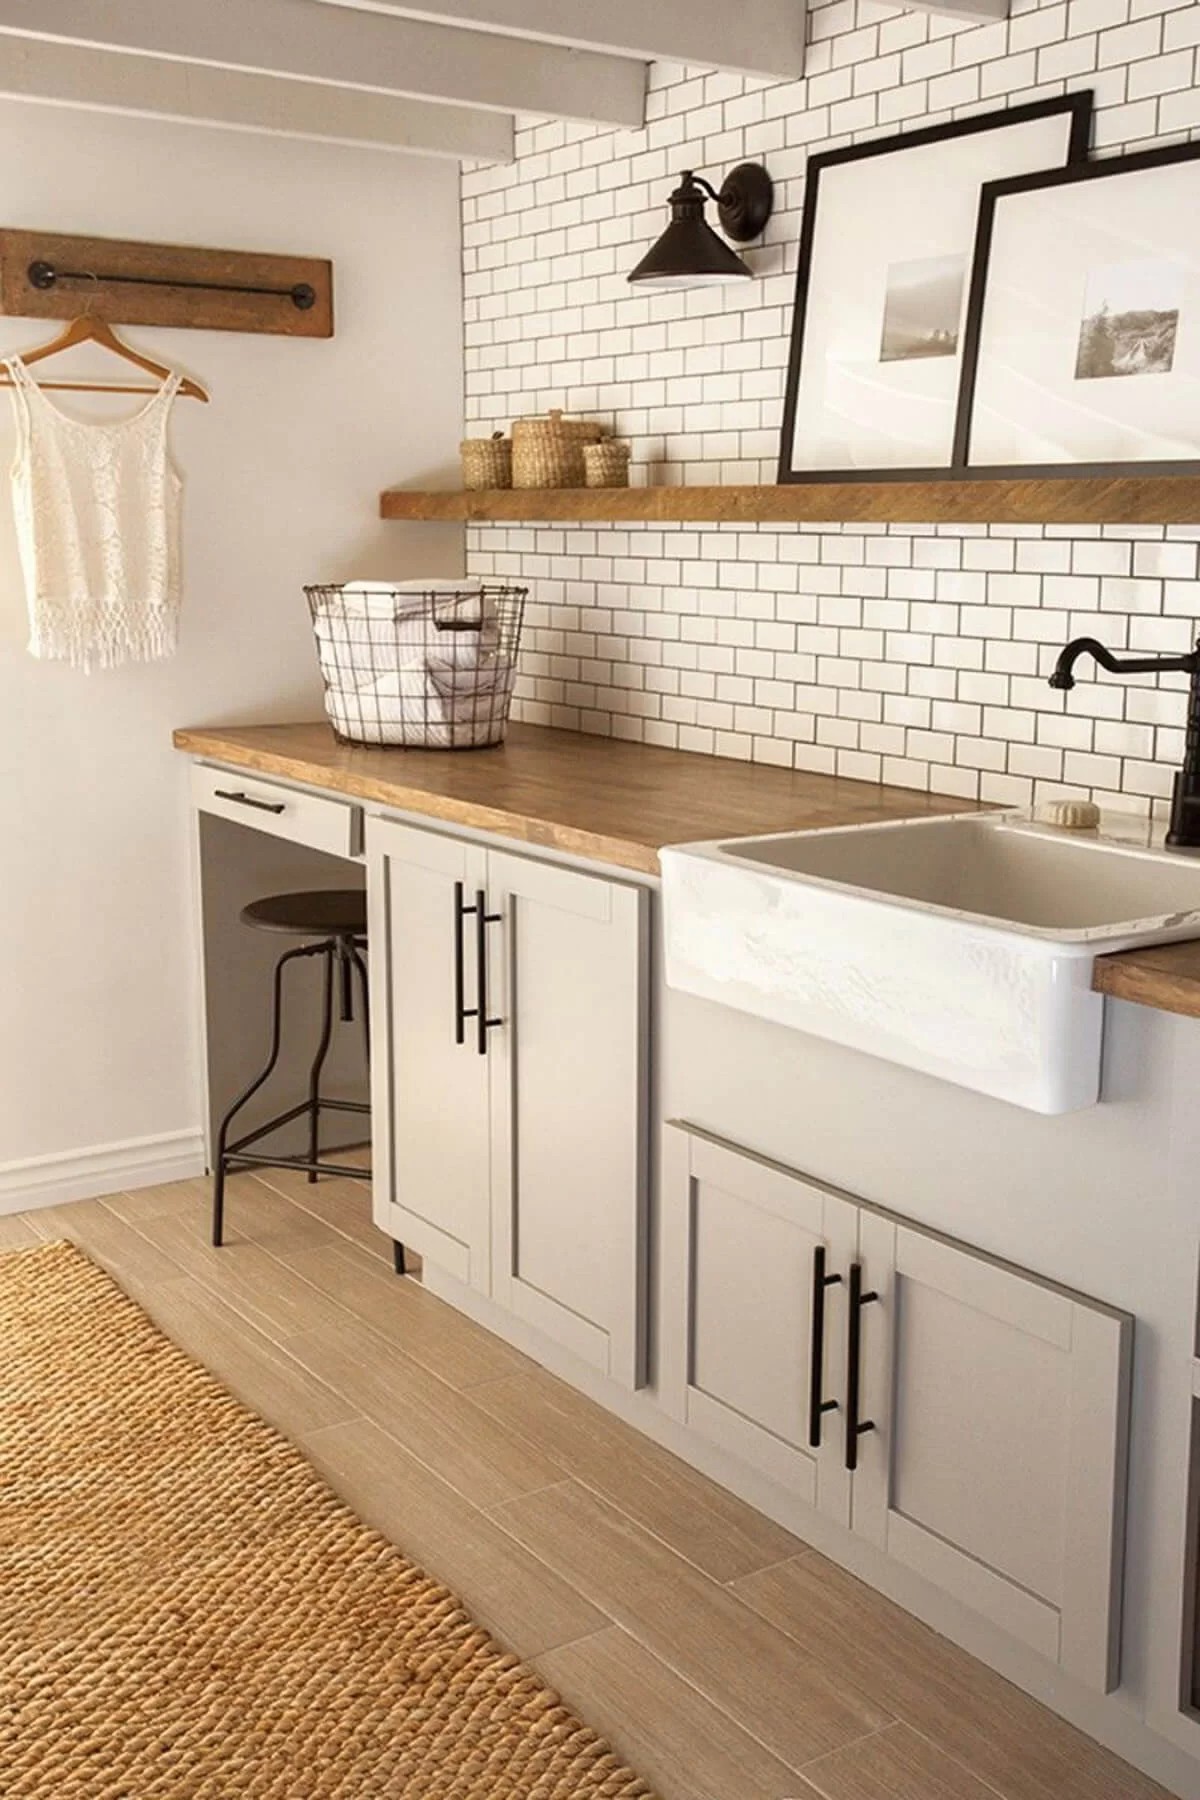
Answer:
(593, 797)
(1166, 976)
(620, 803)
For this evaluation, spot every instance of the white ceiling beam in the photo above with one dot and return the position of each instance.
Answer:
(301, 40)
(973, 11)
(71, 75)
(749, 37)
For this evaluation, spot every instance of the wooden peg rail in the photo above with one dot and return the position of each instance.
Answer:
(50, 275)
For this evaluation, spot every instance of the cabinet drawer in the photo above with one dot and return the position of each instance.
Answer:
(321, 822)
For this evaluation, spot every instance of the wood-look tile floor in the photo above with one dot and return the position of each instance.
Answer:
(721, 1657)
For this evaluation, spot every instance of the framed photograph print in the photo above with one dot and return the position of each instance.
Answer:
(881, 290)
(1082, 344)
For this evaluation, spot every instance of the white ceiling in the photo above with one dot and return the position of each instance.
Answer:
(445, 78)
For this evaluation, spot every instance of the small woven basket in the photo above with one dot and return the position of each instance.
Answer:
(548, 453)
(606, 464)
(487, 462)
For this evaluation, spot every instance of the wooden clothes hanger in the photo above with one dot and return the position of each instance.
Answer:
(89, 329)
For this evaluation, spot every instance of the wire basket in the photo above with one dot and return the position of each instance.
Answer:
(417, 664)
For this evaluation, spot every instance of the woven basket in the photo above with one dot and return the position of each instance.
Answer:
(548, 453)
(606, 464)
(487, 462)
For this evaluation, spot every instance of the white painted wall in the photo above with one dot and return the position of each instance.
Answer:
(98, 1001)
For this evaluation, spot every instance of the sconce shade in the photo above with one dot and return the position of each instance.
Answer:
(689, 252)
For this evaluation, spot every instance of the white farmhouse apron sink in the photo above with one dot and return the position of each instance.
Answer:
(959, 946)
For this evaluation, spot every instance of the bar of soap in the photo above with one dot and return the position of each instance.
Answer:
(1070, 815)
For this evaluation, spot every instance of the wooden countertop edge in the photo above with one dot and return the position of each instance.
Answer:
(548, 834)
(1164, 976)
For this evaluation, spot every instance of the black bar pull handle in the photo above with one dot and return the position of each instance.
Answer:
(271, 806)
(483, 918)
(818, 1406)
(855, 1426)
(461, 1011)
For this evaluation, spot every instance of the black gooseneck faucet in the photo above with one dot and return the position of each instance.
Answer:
(1183, 831)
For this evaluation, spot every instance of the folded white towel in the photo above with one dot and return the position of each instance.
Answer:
(366, 633)
(391, 719)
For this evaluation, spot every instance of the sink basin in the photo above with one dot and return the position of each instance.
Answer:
(959, 946)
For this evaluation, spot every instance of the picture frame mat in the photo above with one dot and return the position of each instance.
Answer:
(1071, 112)
(1140, 247)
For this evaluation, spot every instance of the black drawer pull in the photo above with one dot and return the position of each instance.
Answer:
(461, 1012)
(818, 1406)
(271, 806)
(483, 918)
(855, 1426)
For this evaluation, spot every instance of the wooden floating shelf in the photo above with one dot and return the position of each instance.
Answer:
(1054, 500)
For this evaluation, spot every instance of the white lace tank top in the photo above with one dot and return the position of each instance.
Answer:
(97, 518)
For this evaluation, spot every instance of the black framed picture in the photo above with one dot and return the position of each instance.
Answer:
(1082, 343)
(881, 291)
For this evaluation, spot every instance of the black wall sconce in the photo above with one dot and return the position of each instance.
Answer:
(689, 253)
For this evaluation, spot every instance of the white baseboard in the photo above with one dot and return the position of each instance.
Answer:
(104, 1169)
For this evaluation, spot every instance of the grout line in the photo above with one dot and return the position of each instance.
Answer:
(783, 1562)
(854, 1744)
(956, 1760)
(546, 1487)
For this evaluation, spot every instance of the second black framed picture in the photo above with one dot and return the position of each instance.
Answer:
(881, 291)
(1082, 345)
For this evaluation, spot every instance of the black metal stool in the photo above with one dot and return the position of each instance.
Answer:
(337, 919)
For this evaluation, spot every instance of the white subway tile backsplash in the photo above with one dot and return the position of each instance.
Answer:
(912, 654)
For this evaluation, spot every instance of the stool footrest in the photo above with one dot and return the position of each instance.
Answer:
(249, 1160)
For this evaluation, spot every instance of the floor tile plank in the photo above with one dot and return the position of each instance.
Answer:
(424, 1327)
(744, 1665)
(129, 1258)
(518, 1597)
(661, 1725)
(267, 1292)
(172, 1199)
(17, 1232)
(704, 1522)
(895, 1764)
(441, 1427)
(344, 1206)
(254, 1209)
(253, 1367)
(1005, 1738)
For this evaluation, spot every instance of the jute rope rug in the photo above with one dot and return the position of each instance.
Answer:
(188, 1613)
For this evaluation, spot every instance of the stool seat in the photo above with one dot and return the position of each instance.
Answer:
(326, 912)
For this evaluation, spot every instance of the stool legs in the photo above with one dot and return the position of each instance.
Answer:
(238, 1152)
(222, 1152)
(314, 1078)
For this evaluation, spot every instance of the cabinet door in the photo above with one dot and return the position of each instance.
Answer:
(753, 1337)
(429, 1092)
(996, 1465)
(567, 979)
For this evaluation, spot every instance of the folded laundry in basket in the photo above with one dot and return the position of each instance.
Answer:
(369, 629)
(406, 708)
(467, 687)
